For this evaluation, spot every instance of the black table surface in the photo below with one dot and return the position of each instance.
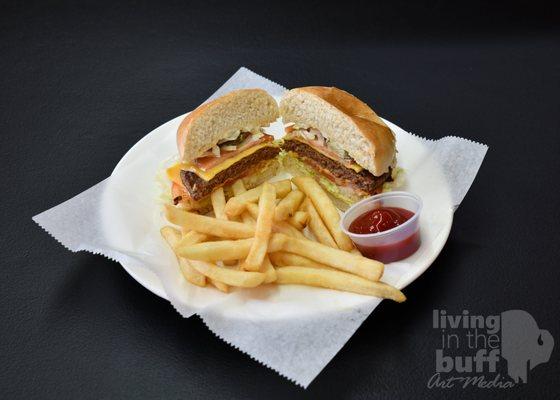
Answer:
(81, 84)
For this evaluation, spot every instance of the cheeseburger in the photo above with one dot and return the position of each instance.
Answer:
(222, 141)
(336, 138)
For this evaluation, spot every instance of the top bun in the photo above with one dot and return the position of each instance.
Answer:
(241, 110)
(346, 121)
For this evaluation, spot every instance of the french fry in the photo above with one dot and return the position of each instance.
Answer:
(317, 227)
(288, 205)
(336, 258)
(218, 200)
(277, 227)
(208, 225)
(222, 287)
(299, 220)
(337, 280)
(228, 276)
(227, 249)
(217, 251)
(248, 220)
(286, 228)
(192, 237)
(263, 229)
(284, 259)
(326, 209)
(172, 236)
(253, 210)
(268, 269)
(355, 251)
(237, 204)
(189, 238)
(239, 188)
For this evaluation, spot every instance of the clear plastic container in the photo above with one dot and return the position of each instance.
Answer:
(393, 244)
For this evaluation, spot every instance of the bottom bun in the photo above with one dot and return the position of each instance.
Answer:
(266, 171)
(342, 197)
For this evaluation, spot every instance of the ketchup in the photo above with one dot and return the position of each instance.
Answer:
(380, 220)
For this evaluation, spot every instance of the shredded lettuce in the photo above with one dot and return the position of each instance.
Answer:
(330, 186)
(163, 182)
(398, 176)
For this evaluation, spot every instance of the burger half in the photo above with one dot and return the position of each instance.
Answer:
(222, 141)
(339, 140)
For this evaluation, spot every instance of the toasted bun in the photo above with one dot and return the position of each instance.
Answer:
(245, 109)
(204, 206)
(346, 121)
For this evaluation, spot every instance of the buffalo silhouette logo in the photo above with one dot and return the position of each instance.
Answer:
(524, 345)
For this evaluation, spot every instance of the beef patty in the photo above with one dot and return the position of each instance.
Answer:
(198, 188)
(363, 180)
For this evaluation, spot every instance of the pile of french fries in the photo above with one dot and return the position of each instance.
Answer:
(257, 237)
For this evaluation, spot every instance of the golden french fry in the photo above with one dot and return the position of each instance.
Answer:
(336, 258)
(277, 227)
(237, 204)
(222, 287)
(277, 242)
(288, 205)
(208, 225)
(228, 276)
(337, 280)
(268, 269)
(286, 228)
(172, 236)
(248, 220)
(263, 228)
(238, 187)
(253, 210)
(227, 249)
(284, 259)
(299, 220)
(218, 200)
(326, 209)
(192, 237)
(217, 251)
(317, 227)
(191, 274)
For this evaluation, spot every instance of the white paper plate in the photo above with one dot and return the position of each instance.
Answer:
(427, 181)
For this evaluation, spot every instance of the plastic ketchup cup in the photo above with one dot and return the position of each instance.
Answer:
(396, 242)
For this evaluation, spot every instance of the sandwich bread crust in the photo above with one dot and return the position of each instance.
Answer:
(241, 110)
(346, 121)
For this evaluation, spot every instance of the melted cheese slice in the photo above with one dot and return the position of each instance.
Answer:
(355, 167)
(174, 172)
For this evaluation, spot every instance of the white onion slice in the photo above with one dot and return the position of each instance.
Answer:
(308, 135)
